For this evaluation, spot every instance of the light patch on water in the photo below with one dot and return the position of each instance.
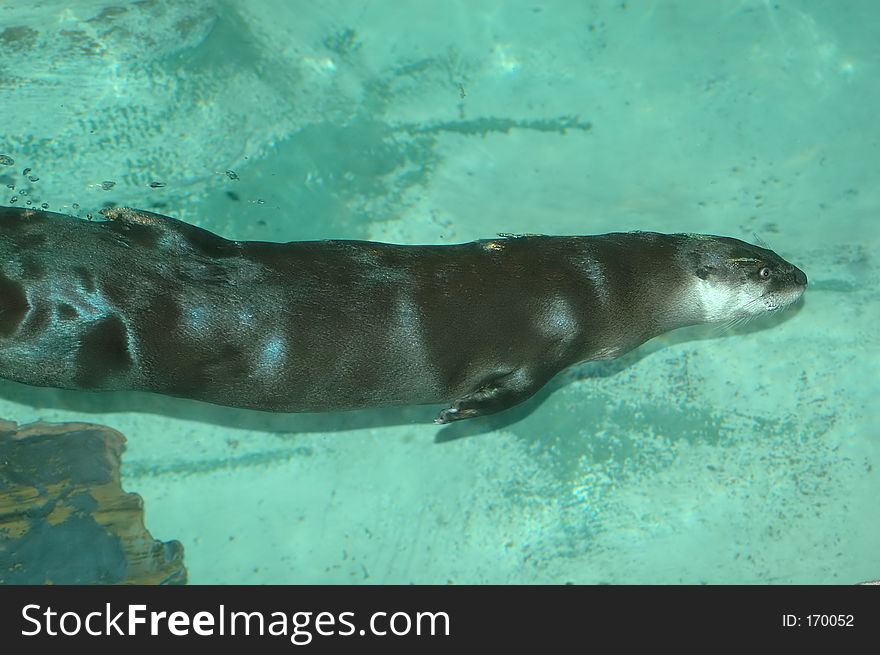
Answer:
(847, 68)
(505, 60)
(322, 65)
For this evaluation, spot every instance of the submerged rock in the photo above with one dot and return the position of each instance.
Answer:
(64, 517)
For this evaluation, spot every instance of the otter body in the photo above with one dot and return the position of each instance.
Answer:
(146, 302)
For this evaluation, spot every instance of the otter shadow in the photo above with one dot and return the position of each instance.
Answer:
(117, 402)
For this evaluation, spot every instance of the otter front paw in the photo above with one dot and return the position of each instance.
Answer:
(455, 413)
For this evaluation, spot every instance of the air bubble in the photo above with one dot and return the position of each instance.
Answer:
(13, 200)
(26, 171)
(108, 184)
(33, 178)
(28, 203)
(6, 160)
(23, 192)
(157, 185)
(75, 205)
(45, 205)
(232, 175)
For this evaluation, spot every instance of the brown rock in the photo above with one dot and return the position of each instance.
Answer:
(64, 518)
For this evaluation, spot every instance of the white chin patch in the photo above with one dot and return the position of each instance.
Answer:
(722, 302)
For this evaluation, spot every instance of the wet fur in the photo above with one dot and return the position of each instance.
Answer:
(147, 302)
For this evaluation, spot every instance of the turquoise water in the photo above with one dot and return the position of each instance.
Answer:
(742, 457)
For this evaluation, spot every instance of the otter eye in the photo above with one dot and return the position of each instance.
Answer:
(764, 273)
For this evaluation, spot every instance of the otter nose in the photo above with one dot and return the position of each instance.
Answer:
(800, 277)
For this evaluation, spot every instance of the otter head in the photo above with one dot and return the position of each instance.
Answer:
(734, 280)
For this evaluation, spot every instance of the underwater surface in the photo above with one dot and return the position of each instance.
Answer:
(705, 456)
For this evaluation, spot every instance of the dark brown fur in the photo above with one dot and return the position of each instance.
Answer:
(147, 302)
